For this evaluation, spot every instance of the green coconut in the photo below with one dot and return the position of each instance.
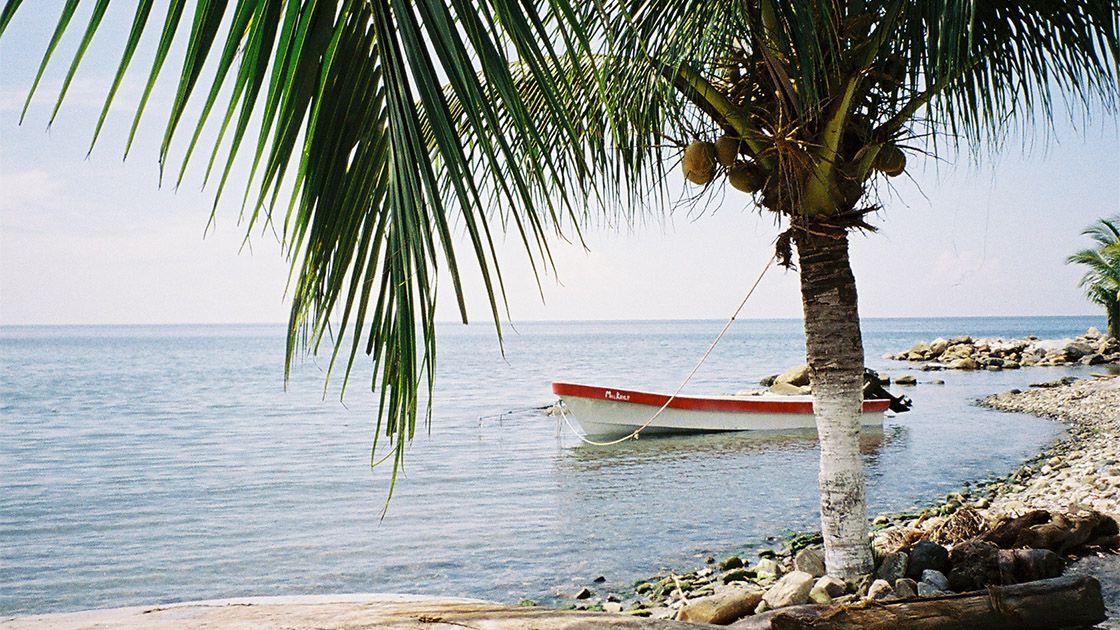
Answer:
(746, 177)
(891, 161)
(699, 162)
(727, 150)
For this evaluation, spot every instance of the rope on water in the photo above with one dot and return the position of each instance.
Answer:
(634, 435)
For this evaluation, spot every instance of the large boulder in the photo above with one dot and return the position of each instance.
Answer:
(791, 590)
(722, 608)
(937, 346)
(789, 389)
(966, 363)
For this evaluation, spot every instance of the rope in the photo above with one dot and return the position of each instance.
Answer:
(634, 435)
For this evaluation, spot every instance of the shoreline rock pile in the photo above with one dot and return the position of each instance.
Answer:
(966, 353)
(1021, 528)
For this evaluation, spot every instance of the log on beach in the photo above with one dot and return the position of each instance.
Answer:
(1053, 603)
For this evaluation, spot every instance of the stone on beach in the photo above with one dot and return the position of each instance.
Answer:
(811, 561)
(722, 608)
(792, 589)
(926, 555)
(892, 567)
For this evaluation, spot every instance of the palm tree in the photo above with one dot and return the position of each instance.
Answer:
(391, 120)
(1102, 280)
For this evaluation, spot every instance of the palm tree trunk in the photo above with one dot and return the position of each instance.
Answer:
(835, 352)
(1114, 319)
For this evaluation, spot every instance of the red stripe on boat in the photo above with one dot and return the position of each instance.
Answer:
(743, 404)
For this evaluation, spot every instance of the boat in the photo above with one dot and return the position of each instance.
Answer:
(602, 411)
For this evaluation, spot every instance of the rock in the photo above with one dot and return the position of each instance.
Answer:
(833, 586)
(722, 608)
(880, 589)
(600, 579)
(792, 589)
(584, 593)
(905, 588)
(612, 607)
(937, 381)
(798, 376)
(937, 346)
(892, 567)
(1076, 350)
(768, 381)
(787, 389)
(1010, 365)
(906, 379)
(767, 567)
(811, 561)
(731, 562)
(735, 575)
(926, 555)
(975, 565)
(935, 579)
(1093, 332)
(761, 608)
(964, 339)
(928, 590)
(967, 363)
(819, 596)
(644, 587)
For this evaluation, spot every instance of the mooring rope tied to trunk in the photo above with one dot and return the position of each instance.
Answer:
(634, 435)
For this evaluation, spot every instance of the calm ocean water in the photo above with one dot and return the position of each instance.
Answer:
(161, 464)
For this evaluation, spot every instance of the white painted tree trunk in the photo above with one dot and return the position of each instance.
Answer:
(834, 348)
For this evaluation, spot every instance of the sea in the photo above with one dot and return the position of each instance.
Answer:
(154, 464)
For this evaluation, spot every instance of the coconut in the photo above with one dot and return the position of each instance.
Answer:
(727, 150)
(745, 177)
(891, 160)
(699, 162)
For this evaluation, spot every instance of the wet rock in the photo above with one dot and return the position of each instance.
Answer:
(906, 379)
(905, 588)
(880, 589)
(731, 562)
(584, 593)
(926, 555)
(792, 589)
(892, 567)
(810, 560)
(600, 579)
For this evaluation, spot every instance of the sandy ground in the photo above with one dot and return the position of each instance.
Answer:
(329, 612)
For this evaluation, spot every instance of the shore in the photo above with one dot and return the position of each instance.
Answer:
(1081, 471)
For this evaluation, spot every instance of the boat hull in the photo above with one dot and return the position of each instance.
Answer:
(612, 411)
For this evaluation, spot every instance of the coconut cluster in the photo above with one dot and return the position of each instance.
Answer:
(703, 159)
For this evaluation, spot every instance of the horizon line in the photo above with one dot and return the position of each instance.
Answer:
(514, 324)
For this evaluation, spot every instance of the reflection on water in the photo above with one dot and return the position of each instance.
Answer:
(662, 448)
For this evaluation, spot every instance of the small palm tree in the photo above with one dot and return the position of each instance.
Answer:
(392, 120)
(1102, 280)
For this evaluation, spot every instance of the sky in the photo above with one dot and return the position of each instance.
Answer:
(97, 241)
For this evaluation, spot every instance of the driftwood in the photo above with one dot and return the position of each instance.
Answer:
(1058, 532)
(1054, 603)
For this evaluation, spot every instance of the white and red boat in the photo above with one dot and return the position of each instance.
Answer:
(612, 411)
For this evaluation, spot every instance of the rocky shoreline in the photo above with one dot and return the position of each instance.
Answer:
(967, 541)
(997, 353)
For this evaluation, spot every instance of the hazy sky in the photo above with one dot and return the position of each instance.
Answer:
(97, 241)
